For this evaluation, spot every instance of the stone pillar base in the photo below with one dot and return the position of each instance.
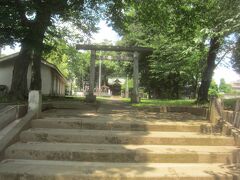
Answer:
(35, 102)
(135, 99)
(90, 98)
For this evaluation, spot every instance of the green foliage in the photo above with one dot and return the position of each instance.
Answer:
(224, 87)
(113, 68)
(174, 63)
(73, 64)
(130, 84)
(29, 22)
(75, 18)
(213, 90)
(178, 32)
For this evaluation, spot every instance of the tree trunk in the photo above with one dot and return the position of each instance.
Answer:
(36, 80)
(43, 21)
(208, 70)
(19, 88)
(149, 94)
(31, 51)
(176, 81)
(195, 88)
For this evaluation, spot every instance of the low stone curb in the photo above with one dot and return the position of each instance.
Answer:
(11, 113)
(192, 110)
(10, 134)
(16, 123)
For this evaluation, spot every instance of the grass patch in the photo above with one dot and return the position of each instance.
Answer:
(102, 98)
(158, 102)
(165, 102)
(105, 99)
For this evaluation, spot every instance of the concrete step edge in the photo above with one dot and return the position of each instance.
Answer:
(67, 170)
(123, 137)
(119, 153)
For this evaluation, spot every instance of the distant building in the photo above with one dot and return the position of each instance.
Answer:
(115, 85)
(236, 85)
(53, 81)
(113, 80)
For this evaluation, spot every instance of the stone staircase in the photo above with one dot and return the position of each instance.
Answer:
(121, 144)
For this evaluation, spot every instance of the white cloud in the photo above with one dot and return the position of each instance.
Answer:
(227, 73)
(105, 33)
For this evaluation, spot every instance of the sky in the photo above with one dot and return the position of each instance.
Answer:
(226, 73)
(107, 33)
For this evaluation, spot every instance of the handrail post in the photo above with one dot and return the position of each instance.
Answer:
(236, 116)
(215, 111)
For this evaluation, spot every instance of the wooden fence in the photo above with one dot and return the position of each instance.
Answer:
(236, 115)
(218, 114)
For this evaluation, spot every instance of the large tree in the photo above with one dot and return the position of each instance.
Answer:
(182, 29)
(28, 22)
(176, 59)
(220, 19)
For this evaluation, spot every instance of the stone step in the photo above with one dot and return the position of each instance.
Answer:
(124, 137)
(65, 170)
(105, 124)
(122, 153)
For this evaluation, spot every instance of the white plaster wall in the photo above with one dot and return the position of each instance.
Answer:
(55, 84)
(6, 70)
(60, 86)
(46, 80)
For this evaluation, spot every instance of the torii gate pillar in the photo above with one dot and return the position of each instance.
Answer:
(135, 94)
(90, 97)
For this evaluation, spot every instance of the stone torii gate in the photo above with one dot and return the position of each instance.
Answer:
(135, 50)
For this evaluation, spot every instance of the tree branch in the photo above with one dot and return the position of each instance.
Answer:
(224, 55)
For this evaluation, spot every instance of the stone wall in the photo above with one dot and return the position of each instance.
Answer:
(192, 110)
